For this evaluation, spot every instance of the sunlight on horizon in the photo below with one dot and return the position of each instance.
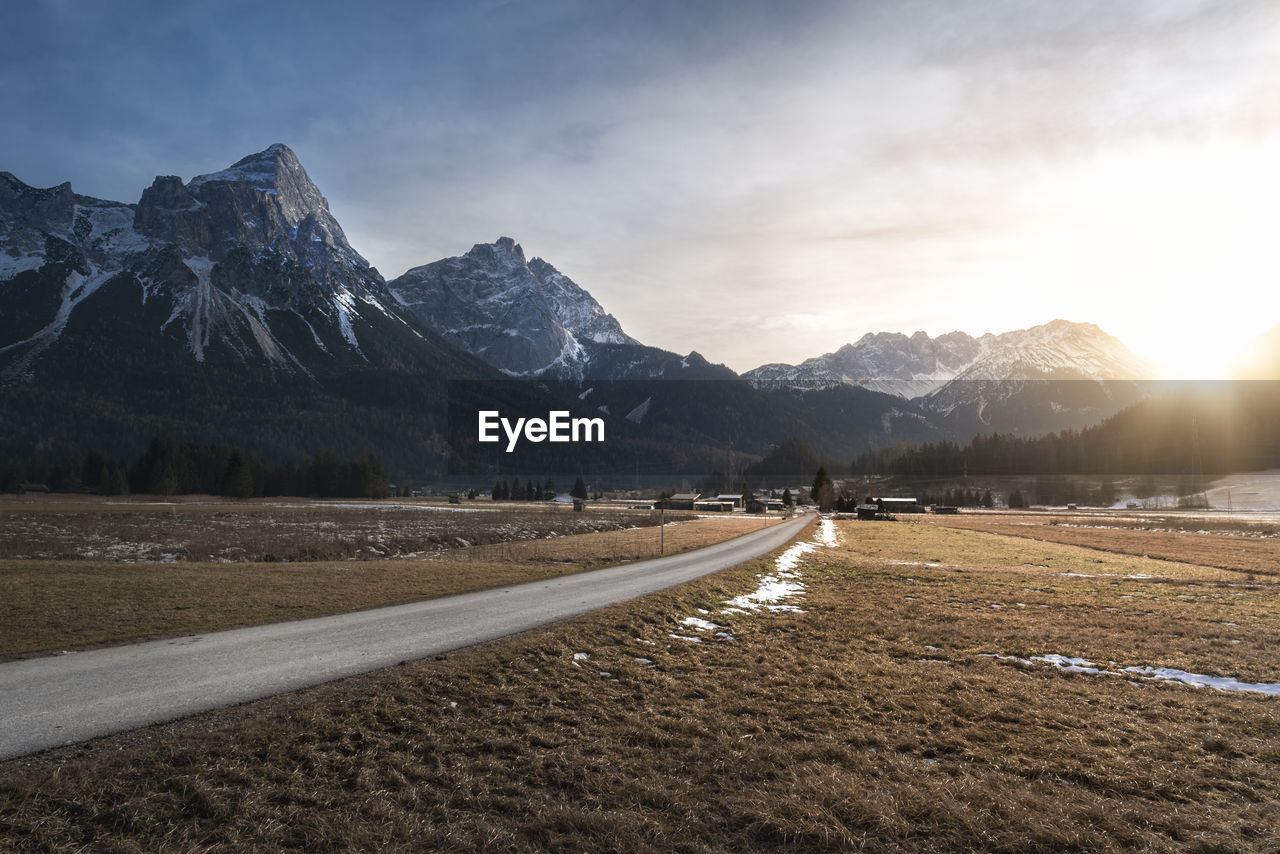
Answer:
(1169, 248)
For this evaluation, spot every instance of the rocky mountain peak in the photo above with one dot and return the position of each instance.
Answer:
(24, 208)
(503, 252)
(235, 254)
(274, 171)
(265, 202)
(523, 317)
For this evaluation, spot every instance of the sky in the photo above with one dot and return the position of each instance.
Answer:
(757, 181)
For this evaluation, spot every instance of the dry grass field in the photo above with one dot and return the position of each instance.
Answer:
(278, 530)
(55, 603)
(922, 688)
(1227, 544)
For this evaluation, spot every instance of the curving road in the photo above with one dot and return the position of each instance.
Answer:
(57, 700)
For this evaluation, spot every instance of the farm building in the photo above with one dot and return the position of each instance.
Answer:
(713, 505)
(682, 501)
(765, 505)
(898, 505)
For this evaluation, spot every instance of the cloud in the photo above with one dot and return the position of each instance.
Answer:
(692, 165)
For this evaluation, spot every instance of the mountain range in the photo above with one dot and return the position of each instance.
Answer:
(231, 307)
(919, 366)
(228, 308)
(1049, 377)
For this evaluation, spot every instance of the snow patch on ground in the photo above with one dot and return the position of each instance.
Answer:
(1083, 665)
(777, 590)
(1220, 683)
(698, 623)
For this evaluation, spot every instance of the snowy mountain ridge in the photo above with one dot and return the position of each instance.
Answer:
(238, 254)
(920, 366)
(524, 317)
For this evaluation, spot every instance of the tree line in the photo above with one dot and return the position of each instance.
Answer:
(1193, 430)
(532, 491)
(174, 467)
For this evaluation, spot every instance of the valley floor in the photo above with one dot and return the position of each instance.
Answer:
(898, 686)
(84, 572)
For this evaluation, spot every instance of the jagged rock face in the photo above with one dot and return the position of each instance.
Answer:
(920, 366)
(524, 317)
(27, 213)
(1058, 350)
(1048, 377)
(248, 260)
(265, 203)
(887, 362)
(265, 200)
(30, 218)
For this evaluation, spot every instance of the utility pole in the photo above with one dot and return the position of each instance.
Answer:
(1196, 464)
(662, 527)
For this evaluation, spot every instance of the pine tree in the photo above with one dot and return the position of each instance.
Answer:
(117, 481)
(237, 481)
(14, 476)
(579, 488)
(823, 491)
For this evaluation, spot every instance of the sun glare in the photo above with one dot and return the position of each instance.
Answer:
(1171, 250)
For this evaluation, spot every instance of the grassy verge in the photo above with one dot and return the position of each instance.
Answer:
(872, 721)
(51, 605)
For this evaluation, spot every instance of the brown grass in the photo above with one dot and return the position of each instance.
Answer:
(50, 605)
(870, 722)
(269, 531)
(1238, 548)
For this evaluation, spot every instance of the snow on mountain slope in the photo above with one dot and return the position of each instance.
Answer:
(250, 261)
(919, 366)
(524, 317)
(1059, 350)
(887, 362)
(1050, 377)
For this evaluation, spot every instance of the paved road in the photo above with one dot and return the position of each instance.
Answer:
(56, 700)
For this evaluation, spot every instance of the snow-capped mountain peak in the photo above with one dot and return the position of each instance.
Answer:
(1059, 350)
(918, 366)
(888, 362)
(524, 317)
(249, 260)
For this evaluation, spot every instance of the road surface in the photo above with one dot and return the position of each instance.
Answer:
(51, 701)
